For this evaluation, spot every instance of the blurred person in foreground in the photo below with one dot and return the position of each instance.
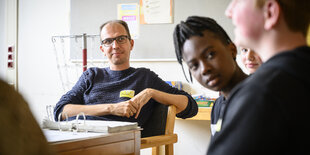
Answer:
(268, 112)
(20, 133)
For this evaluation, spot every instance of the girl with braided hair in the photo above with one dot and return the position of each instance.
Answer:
(211, 58)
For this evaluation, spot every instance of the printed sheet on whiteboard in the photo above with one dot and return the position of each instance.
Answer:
(155, 11)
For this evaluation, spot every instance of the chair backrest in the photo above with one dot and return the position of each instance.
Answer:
(170, 120)
(156, 124)
(166, 138)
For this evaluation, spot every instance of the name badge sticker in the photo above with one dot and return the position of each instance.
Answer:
(127, 93)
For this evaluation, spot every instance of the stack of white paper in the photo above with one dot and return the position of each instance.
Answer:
(90, 126)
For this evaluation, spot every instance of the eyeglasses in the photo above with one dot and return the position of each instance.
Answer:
(109, 41)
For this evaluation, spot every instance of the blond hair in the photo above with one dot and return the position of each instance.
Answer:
(296, 13)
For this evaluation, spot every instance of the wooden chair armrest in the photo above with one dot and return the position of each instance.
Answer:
(170, 120)
(158, 140)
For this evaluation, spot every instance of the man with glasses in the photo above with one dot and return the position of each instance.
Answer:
(120, 92)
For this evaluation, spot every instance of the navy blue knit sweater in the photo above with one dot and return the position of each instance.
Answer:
(102, 85)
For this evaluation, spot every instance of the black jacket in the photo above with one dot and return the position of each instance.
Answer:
(268, 113)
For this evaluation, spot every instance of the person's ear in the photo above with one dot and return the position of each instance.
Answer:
(131, 43)
(271, 13)
(103, 51)
(233, 49)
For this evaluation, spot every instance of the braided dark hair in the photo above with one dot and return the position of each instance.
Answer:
(194, 26)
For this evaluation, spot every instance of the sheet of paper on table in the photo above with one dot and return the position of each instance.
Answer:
(58, 136)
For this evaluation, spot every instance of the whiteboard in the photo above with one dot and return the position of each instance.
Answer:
(155, 41)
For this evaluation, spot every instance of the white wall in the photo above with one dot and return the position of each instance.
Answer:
(39, 80)
(3, 53)
(38, 77)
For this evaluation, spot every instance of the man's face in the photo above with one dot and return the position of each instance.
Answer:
(117, 53)
(248, 20)
(210, 61)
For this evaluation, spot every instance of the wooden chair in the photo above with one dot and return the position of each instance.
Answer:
(168, 138)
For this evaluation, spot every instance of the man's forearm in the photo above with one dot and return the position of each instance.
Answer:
(180, 101)
(93, 110)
